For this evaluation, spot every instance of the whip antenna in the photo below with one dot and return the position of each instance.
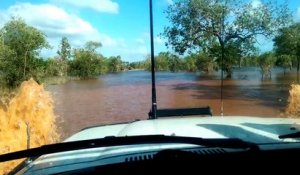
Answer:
(154, 105)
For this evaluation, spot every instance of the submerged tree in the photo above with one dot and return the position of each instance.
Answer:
(191, 62)
(114, 64)
(87, 63)
(61, 62)
(266, 62)
(284, 61)
(200, 62)
(166, 61)
(287, 42)
(65, 49)
(196, 24)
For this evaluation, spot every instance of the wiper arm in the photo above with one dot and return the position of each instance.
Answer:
(127, 140)
(291, 135)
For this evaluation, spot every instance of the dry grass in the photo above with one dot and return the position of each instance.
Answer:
(33, 105)
(293, 108)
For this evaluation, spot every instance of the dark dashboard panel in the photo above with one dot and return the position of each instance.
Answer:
(183, 162)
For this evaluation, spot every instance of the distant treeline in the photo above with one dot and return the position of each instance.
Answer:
(285, 54)
(166, 61)
(20, 59)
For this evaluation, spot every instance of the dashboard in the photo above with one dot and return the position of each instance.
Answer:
(202, 161)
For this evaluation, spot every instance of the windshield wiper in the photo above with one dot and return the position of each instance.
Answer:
(291, 135)
(127, 140)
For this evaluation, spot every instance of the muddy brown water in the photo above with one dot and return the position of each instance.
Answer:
(126, 96)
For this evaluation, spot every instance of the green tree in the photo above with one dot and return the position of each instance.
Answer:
(196, 24)
(191, 62)
(87, 63)
(125, 65)
(137, 65)
(287, 42)
(64, 49)
(114, 64)
(205, 63)
(166, 61)
(162, 61)
(8, 64)
(176, 63)
(56, 67)
(235, 53)
(61, 62)
(200, 62)
(266, 62)
(251, 60)
(284, 61)
(93, 45)
(23, 43)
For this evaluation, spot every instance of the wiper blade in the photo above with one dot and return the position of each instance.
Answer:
(291, 135)
(127, 140)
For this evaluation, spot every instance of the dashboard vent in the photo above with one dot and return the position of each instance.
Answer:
(201, 151)
(208, 151)
(139, 158)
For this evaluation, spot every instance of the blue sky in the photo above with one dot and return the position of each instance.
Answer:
(122, 26)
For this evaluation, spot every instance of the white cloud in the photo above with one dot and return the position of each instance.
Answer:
(50, 19)
(140, 41)
(129, 51)
(139, 50)
(55, 22)
(142, 50)
(159, 40)
(146, 35)
(297, 15)
(256, 3)
(170, 2)
(107, 6)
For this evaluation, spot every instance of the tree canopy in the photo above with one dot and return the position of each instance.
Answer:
(20, 44)
(87, 63)
(65, 49)
(287, 42)
(197, 24)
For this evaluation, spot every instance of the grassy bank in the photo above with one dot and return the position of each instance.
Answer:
(54, 80)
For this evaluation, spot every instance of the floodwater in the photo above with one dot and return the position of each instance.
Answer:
(126, 96)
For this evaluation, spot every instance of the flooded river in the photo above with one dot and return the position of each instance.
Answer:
(126, 96)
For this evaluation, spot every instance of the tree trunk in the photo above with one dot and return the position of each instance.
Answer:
(222, 74)
(25, 64)
(222, 56)
(228, 75)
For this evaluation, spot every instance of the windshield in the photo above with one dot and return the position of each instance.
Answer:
(68, 65)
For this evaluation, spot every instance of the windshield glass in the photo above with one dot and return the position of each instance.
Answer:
(67, 65)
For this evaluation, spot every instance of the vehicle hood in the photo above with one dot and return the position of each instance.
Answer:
(252, 129)
(257, 130)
